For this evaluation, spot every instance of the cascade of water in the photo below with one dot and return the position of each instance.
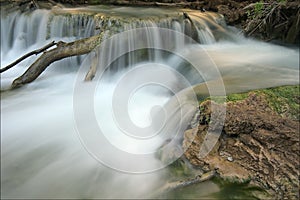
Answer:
(20, 31)
(52, 172)
(42, 155)
(24, 32)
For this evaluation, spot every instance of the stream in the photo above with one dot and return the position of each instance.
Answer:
(62, 137)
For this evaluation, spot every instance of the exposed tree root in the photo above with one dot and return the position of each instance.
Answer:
(180, 184)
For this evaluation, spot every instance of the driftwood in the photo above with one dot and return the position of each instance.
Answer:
(63, 50)
(35, 52)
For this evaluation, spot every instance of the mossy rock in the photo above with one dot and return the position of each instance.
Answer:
(284, 100)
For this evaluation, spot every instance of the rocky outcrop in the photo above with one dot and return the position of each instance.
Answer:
(256, 144)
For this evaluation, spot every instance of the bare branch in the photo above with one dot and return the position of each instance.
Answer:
(35, 52)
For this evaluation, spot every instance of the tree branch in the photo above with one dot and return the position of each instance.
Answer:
(35, 52)
(63, 50)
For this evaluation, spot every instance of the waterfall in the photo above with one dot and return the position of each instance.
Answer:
(22, 30)
(51, 143)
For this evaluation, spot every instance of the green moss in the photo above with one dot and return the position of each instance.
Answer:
(95, 2)
(237, 97)
(237, 189)
(230, 97)
(284, 100)
(258, 8)
(179, 169)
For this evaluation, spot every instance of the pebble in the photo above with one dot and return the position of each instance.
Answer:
(266, 171)
(230, 159)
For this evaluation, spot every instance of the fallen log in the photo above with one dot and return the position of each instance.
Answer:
(62, 50)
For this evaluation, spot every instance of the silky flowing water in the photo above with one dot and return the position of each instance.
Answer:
(45, 129)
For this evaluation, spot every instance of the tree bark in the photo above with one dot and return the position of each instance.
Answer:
(91, 73)
(63, 50)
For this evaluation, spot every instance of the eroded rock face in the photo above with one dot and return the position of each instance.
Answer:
(255, 143)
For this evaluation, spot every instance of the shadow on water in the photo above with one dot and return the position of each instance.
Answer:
(230, 189)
